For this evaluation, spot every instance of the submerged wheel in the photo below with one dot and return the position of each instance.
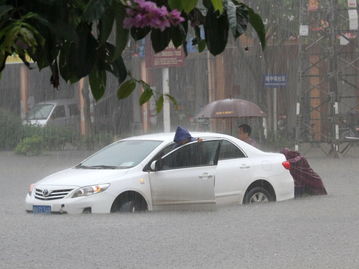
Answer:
(130, 202)
(129, 206)
(258, 195)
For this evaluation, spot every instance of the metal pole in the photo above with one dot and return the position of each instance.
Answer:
(275, 113)
(166, 104)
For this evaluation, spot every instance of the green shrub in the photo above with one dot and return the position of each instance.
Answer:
(55, 138)
(30, 146)
(10, 130)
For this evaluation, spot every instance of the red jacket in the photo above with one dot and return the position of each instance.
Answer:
(303, 174)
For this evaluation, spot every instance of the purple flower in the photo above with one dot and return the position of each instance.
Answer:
(175, 17)
(143, 13)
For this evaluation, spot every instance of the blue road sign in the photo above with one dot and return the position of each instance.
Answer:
(274, 81)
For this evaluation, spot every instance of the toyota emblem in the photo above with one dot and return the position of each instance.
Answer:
(46, 192)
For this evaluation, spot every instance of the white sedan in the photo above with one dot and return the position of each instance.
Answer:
(149, 172)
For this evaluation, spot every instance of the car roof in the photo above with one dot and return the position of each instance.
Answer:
(169, 136)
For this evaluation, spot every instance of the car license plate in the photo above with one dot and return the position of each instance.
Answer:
(41, 209)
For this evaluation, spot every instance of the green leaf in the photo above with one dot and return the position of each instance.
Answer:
(216, 30)
(64, 64)
(119, 69)
(77, 60)
(106, 25)
(139, 33)
(83, 55)
(97, 80)
(207, 4)
(95, 9)
(189, 5)
(3, 56)
(201, 45)
(256, 21)
(218, 5)
(237, 17)
(5, 9)
(160, 40)
(116, 67)
(121, 33)
(173, 100)
(159, 104)
(178, 35)
(67, 32)
(176, 4)
(126, 89)
(146, 95)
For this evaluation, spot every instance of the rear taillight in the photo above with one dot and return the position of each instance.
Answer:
(286, 164)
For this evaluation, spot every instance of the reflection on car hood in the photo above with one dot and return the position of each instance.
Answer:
(82, 177)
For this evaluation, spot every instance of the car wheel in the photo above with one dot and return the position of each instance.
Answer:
(258, 195)
(129, 206)
(129, 202)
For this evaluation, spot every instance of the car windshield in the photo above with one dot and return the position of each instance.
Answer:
(123, 154)
(40, 112)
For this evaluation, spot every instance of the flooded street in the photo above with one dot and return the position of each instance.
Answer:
(313, 232)
(197, 87)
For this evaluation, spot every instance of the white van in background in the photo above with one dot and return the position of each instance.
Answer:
(61, 112)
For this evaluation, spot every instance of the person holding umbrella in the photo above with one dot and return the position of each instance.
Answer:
(244, 132)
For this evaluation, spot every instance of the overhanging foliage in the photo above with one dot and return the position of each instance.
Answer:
(72, 36)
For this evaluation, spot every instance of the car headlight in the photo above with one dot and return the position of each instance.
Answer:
(89, 190)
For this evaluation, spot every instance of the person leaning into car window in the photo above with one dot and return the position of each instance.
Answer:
(182, 136)
(244, 132)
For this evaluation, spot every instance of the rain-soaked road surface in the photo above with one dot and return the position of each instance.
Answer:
(314, 232)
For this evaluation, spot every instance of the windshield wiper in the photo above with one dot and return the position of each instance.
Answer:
(97, 167)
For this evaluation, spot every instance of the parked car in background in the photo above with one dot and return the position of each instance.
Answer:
(61, 112)
(148, 172)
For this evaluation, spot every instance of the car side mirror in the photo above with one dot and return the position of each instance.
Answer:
(156, 165)
(153, 166)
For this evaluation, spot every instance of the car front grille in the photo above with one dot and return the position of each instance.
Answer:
(46, 194)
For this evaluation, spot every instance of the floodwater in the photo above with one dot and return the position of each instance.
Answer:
(313, 232)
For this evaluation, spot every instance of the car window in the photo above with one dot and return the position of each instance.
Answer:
(40, 111)
(192, 155)
(164, 151)
(74, 110)
(229, 151)
(59, 112)
(123, 154)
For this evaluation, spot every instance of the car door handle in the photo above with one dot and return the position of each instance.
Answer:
(205, 176)
(244, 166)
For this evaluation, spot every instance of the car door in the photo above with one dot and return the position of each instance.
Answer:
(186, 175)
(234, 169)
